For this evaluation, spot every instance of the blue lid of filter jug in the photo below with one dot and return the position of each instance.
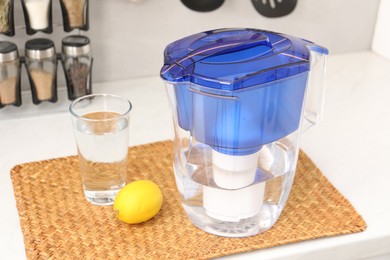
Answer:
(231, 59)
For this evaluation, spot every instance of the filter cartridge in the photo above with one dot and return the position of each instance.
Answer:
(235, 198)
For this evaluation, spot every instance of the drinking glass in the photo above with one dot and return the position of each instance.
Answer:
(101, 129)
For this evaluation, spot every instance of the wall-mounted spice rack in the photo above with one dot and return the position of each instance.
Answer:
(40, 57)
(38, 16)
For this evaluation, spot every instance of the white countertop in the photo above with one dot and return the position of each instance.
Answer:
(351, 146)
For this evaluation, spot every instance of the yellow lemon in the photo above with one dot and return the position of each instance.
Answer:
(138, 202)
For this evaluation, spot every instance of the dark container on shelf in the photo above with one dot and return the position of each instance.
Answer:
(77, 63)
(75, 14)
(7, 25)
(38, 16)
(9, 75)
(41, 65)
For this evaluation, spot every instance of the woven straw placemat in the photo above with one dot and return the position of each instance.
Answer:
(58, 223)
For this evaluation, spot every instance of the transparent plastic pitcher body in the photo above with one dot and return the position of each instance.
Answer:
(239, 99)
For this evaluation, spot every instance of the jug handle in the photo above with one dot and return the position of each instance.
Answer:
(314, 98)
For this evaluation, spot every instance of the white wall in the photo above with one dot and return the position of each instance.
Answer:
(381, 40)
(128, 38)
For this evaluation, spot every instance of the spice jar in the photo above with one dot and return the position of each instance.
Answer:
(9, 75)
(7, 17)
(41, 65)
(75, 14)
(77, 64)
(37, 15)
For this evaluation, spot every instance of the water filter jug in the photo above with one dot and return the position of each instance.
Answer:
(240, 99)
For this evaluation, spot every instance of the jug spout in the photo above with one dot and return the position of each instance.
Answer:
(314, 99)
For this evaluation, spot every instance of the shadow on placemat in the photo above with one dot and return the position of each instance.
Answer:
(57, 222)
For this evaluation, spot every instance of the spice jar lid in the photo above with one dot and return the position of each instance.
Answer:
(39, 48)
(8, 51)
(76, 45)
